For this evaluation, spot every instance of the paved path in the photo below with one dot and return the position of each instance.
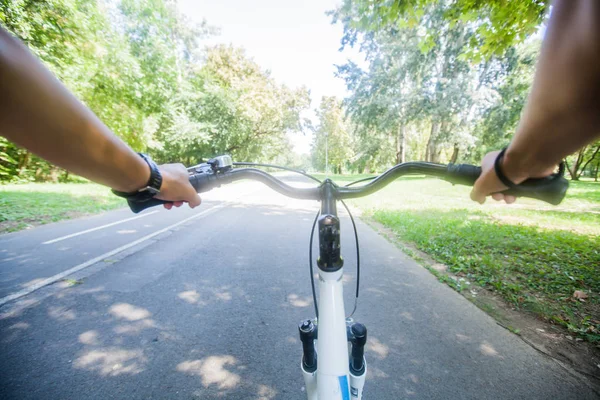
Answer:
(208, 309)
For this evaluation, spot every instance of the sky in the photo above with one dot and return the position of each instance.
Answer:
(295, 40)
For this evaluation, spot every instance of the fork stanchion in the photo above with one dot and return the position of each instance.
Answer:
(308, 333)
(358, 365)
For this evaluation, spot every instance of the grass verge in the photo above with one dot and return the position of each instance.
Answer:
(535, 256)
(26, 205)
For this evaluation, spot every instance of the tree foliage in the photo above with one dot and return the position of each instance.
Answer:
(331, 140)
(499, 119)
(497, 24)
(421, 96)
(139, 65)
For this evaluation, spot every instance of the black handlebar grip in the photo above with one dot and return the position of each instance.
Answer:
(551, 189)
(200, 182)
(137, 206)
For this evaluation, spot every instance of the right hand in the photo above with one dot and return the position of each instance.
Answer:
(176, 187)
(488, 183)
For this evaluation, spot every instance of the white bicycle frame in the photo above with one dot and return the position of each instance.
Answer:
(332, 380)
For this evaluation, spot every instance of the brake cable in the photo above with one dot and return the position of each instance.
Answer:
(361, 180)
(310, 261)
(312, 233)
(249, 164)
(357, 259)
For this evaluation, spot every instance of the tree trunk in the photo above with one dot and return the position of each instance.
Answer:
(435, 152)
(589, 160)
(401, 144)
(436, 156)
(430, 149)
(572, 173)
(574, 169)
(454, 154)
(579, 166)
(23, 161)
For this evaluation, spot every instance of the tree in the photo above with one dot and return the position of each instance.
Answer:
(138, 65)
(332, 134)
(501, 111)
(63, 34)
(594, 168)
(229, 105)
(265, 111)
(382, 100)
(410, 80)
(578, 162)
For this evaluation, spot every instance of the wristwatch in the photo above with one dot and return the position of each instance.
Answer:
(151, 189)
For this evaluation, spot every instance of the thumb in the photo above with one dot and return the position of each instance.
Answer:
(487, 184)
(476, 194)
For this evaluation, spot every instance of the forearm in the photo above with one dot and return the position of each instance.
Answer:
(563, 110)
(40, 114)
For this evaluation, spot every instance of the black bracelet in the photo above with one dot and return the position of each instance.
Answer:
(500, 174)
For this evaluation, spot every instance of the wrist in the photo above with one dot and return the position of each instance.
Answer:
(514, 166)
(141, 178)
(147, 184)
(135, 173)
(518, 166)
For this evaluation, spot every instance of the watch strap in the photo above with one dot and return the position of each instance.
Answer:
(151, 189)
(155, 180)
(500, 174)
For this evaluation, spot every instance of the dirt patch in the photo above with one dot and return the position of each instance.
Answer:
(581, 359)
(13, 226)
(552, 340)
(28, 223)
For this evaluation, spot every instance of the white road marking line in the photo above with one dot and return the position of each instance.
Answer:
(57, 277)
(98, 228)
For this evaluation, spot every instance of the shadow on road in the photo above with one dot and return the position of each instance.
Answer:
(211, 311)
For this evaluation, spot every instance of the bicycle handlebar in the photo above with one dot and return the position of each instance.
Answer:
(551, 189)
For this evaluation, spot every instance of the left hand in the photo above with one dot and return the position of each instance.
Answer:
(176, 187)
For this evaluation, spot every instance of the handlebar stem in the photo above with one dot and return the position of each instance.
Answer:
(330, 259)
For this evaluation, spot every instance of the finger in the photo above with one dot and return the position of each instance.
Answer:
(497, 196)
(168, 206)
(178, 203)
(509, 199)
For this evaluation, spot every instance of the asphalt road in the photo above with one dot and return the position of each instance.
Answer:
(204, 304)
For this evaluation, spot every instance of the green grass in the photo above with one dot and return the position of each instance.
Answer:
(532, 254)
(26, 205)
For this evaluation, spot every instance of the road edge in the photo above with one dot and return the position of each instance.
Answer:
(492, 306)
